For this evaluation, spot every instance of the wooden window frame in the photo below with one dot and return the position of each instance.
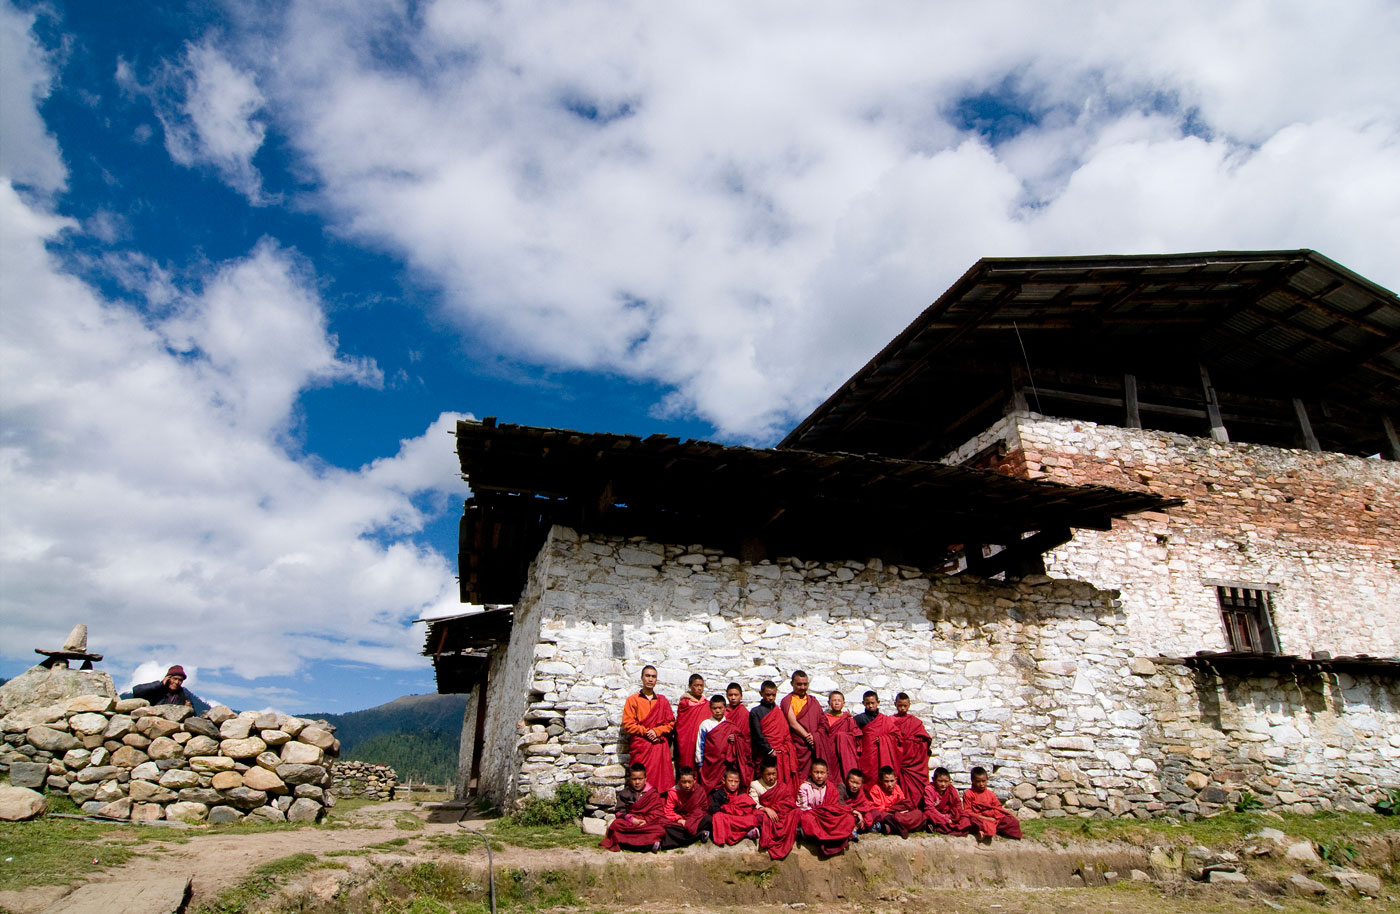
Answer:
(1246, 614)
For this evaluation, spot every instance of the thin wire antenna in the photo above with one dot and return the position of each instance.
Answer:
(1029, 375)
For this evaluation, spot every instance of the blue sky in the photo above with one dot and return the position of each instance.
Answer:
(259, 257)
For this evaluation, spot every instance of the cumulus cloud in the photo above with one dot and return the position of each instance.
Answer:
(28, 152)
(743, 203)
(147, 488)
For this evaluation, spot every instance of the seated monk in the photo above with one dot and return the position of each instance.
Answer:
(879, 740)
(640, 822)
(647, 722)
(726, 744)
(685, 811)
(898, 814)
(692, 710)
(943, 807)
(805, 719)
(854, 798)
(821, 814)
(770, 735)
(733, 813)
(838, 737)
(986, 810)
(777, 807)
(914, 743)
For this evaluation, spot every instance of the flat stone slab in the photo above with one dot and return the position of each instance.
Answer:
(158, 895)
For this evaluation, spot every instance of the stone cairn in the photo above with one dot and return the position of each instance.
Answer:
(124, 759)
(363, 779)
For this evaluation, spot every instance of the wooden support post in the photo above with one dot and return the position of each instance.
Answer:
(1391, 437)
(1217, 424)
(466, 748)
(1309, 439)
(1132, 417)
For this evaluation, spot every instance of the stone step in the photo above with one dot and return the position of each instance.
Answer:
(157, 895)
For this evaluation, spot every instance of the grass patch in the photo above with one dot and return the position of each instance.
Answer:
(392, 842)
(504, 832)
(345, 805)
(408, 822)
(48, 851)
(1322, 828)
(262, 884)
(430, 888)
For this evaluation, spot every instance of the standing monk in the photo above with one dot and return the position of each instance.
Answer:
(691, 711)
(879, 741)
(914, 743)
(647, 721)
(728, 744)
(838, 740)
(768, 730)
(805, 721)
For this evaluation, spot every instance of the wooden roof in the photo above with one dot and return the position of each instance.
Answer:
(461, 644)
(1252, 663)
(811, 505)
(1270, 326)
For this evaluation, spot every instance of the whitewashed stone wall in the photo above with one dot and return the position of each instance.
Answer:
(1034, 680)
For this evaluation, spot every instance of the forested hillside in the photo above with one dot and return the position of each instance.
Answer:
(416, 734)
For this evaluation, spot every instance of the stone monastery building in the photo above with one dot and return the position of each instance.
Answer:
(1126, 528)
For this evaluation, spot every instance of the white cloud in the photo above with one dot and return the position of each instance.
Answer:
(28, 152)
(145, 488)
(744, 203)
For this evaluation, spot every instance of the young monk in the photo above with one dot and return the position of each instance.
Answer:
(769, 733)
(647, 721)
(986, 810)
(943, 807)
(838, 739)
(898, 814)
(727, 744)
(879, 741)
(714, 720)
(692, 710)
(821, 814)
(854, 797)
(777, 807)
(685, 811)
(733, 813)
(640, 822)
(805, 721)
(914, 743)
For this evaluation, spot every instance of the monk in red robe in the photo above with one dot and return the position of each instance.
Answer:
(879, 740)
(685, 811)
(838, 737)
(733, 813)
(691, 711)
(943, 807)
(854, 798)
(640, 822)
(647, 721)
(986, 811)
(821, 814)
(771, 737)
(777, 808)
(728, 745)
(914, 743)
(805, 722)
(899, 814)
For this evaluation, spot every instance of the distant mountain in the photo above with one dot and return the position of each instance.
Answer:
(417, 734)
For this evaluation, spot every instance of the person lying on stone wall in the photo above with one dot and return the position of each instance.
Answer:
(899, 814)
(641, 820)
(686, 811)
(943, 807)
(777, 809)
(647, 722)
(986, 811)
(170, 690)
(821, 815)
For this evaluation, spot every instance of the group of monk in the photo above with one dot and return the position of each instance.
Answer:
(823, 774)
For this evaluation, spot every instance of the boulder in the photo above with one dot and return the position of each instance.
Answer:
(310, 792)
(163, 748)
(242, 748)
(224, 815)
(267, 814)
(81, 793)
(117, 809)
(1362, 883)
(172, 713)
(1302, 852)
(218, 714)
(269, 760)
(146, 771)
(127, 705)
(1196, 780)
(186, 812)
(211, 764)
(201, 726)
(18, 804)
(147, 792)
(275, 737)
(595, 827)
(147, 812)
(245, 797)
(100, 704)
(51, 740)
(205, 795)
(299, 753)
(178, 779)
(55, 782)
(227, 780)
(304, 810)
(266, 720)
(153, 726)
(135, 740)
(201, 745)
(30, 775)
(100, 756)
(1215, 877)
(317, 737)
(87, 723)
(1299, 884)
(291, 725)
(108, 791)
(93, 774)
(261, 779)
(293, 773)
(38, 687)
(235, 728)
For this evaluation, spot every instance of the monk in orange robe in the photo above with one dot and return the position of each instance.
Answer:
(805, 721)
(899, 815)
(986, 811)
(647, 721)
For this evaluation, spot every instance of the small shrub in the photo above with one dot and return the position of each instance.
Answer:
(1339, 851)
(566, 806)
(1248, 801)
(1390, 805)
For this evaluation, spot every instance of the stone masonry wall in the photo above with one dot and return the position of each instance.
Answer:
(1032, 679)
(1321, 529)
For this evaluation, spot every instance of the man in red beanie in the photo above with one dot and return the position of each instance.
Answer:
(169, 691)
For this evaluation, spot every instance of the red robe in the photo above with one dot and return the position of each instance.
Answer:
(777, 836)
(688, 806)
(914, 743)
(831, 824)
(734, 819)
(987, 813)
(720, 753)
(690, 714)
(879, 746)
(944, 811)
(625, 830)
(838, 744)
(812, 721)
(897, 811)
(860, 803)
(655, 756)
(774, 727)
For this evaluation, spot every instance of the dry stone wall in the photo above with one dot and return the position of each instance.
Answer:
(125, 759)
(1320, 530)
(363, 779)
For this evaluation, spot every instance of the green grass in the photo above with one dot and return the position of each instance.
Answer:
(430, 888)
(504, 832)
(408, 822)
(262, 884)
(1321, 828)
(48, 851)
(345, 805)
